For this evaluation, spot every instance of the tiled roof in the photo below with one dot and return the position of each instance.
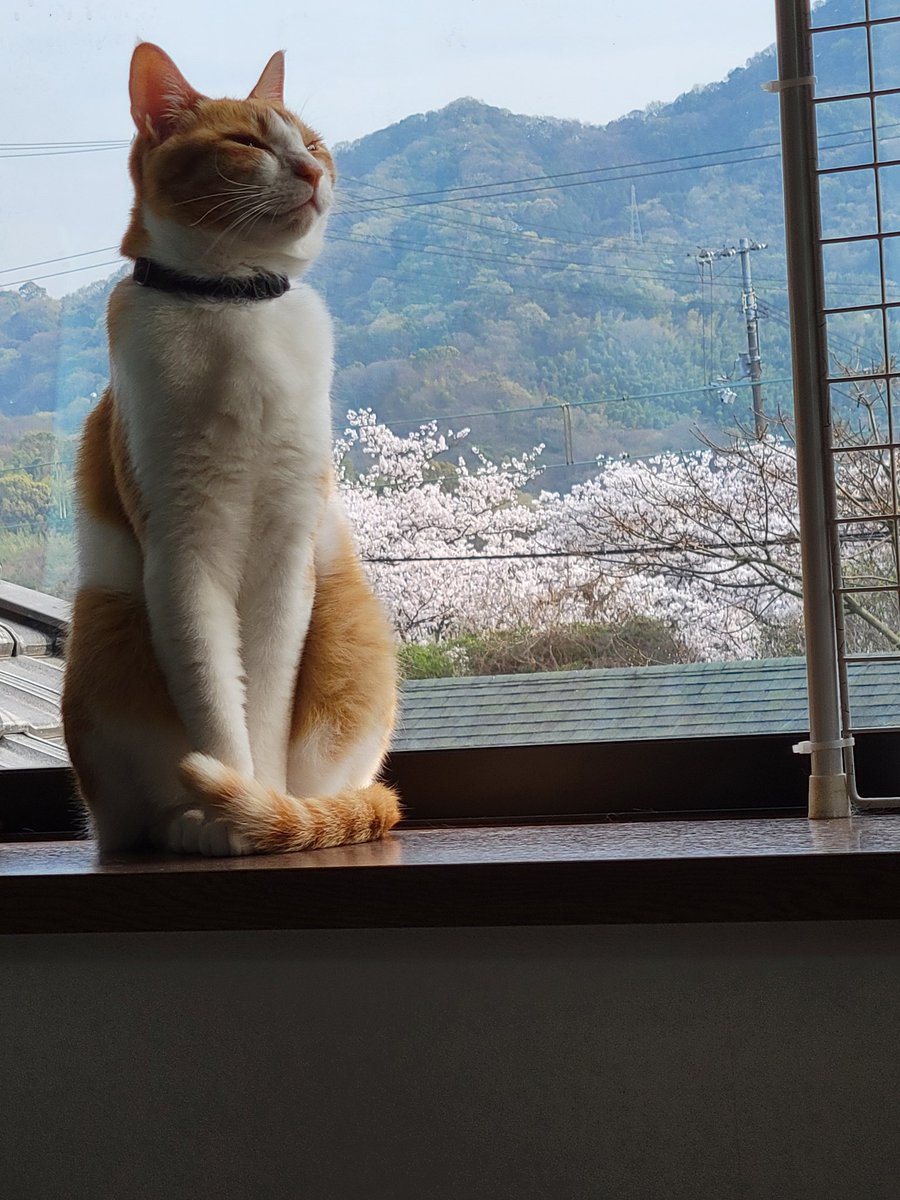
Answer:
(617, 704)
(731, 699)
(32, 627)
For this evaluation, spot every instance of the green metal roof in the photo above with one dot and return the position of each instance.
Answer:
(731, 699)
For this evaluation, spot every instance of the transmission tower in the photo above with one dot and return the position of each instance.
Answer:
(637, 234)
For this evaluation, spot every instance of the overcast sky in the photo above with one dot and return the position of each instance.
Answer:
(353, 66)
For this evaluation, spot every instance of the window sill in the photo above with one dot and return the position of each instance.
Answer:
(571, 874)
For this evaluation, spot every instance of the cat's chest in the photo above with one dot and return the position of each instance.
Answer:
(234, 376)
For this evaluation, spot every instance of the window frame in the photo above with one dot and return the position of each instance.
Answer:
(686, 777)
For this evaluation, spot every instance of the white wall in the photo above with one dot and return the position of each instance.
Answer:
(661, 1062)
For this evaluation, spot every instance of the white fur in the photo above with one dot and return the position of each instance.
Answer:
(195, 831)
(108, 557)
(333, 534)
(314, 771)
(226, 416)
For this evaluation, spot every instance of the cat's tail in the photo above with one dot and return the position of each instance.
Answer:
(274, 822)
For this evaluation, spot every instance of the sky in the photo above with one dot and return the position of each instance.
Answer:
(353, 66)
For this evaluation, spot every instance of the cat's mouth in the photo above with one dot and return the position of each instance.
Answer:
(309, 208)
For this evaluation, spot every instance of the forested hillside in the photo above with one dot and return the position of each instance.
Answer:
(485, 260)
(480, 260)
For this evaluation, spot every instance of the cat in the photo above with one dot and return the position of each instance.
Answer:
(230, 682)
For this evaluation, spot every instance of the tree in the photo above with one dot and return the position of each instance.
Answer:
(430, 534)
(704, 543)
(24, 502)
(720, 529)
(470, 552)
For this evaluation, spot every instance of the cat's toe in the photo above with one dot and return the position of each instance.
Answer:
(219, 839)
(182, 834)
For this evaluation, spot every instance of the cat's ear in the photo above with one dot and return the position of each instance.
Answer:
(270, 85)
(159, 92)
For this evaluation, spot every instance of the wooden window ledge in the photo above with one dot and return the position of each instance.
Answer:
(590, 873)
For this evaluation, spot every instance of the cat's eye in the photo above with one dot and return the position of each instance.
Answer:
(246, 139)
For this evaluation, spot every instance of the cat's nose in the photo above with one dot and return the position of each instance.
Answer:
(308, 170)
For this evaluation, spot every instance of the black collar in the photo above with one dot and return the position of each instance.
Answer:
(263, 286)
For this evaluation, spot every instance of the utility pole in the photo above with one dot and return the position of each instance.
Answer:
(750, 309)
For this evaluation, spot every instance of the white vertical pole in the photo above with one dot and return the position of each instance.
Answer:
(828, 794)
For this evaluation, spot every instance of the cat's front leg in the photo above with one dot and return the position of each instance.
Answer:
(275, 609)
(194, 627)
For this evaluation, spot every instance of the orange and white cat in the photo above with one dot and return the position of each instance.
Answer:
(230, 682)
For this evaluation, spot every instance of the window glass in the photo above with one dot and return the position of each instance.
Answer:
(557, 277)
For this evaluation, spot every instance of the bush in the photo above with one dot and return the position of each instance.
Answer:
(436, 660)
(639, 642)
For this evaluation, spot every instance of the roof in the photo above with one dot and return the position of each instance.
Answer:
(733, 699)
(32, 628)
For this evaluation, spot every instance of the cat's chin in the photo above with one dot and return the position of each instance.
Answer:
(292, 255)
(288, 250)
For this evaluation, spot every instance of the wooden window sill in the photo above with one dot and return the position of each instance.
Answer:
(590, 873)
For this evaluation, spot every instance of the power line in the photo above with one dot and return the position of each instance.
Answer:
(649, 162)
(605, 552)
(57, 153)
(546, 408)
(622, 167)
(609, 552)
(447, 192)
(574, 183)
(581, 237)
(387, 241)
(11, 283)
(79, 145)
(55, 145)
(62, 258)
(660, 272)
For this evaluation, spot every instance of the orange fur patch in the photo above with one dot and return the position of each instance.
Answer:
(111, 670)
(103, 474)
(94, 474)
(348, 674)
(111, 667)
(275, 823)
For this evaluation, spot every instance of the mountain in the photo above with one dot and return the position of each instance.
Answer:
(483, 260)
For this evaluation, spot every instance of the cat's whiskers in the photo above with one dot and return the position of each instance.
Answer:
(197, 199)
(232, 199)
(254, 210)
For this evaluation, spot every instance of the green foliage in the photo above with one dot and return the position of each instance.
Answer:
(436, 660)
(24, 501)
(46, 562)
(35, 454)
(639, 642)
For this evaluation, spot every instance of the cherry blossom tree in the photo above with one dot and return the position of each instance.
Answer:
(443, 537)
(706, 542)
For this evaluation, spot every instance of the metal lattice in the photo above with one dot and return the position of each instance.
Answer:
(857, 176)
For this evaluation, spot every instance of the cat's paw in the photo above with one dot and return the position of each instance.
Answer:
(193, 831)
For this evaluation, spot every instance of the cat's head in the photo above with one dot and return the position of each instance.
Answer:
(223, 185)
